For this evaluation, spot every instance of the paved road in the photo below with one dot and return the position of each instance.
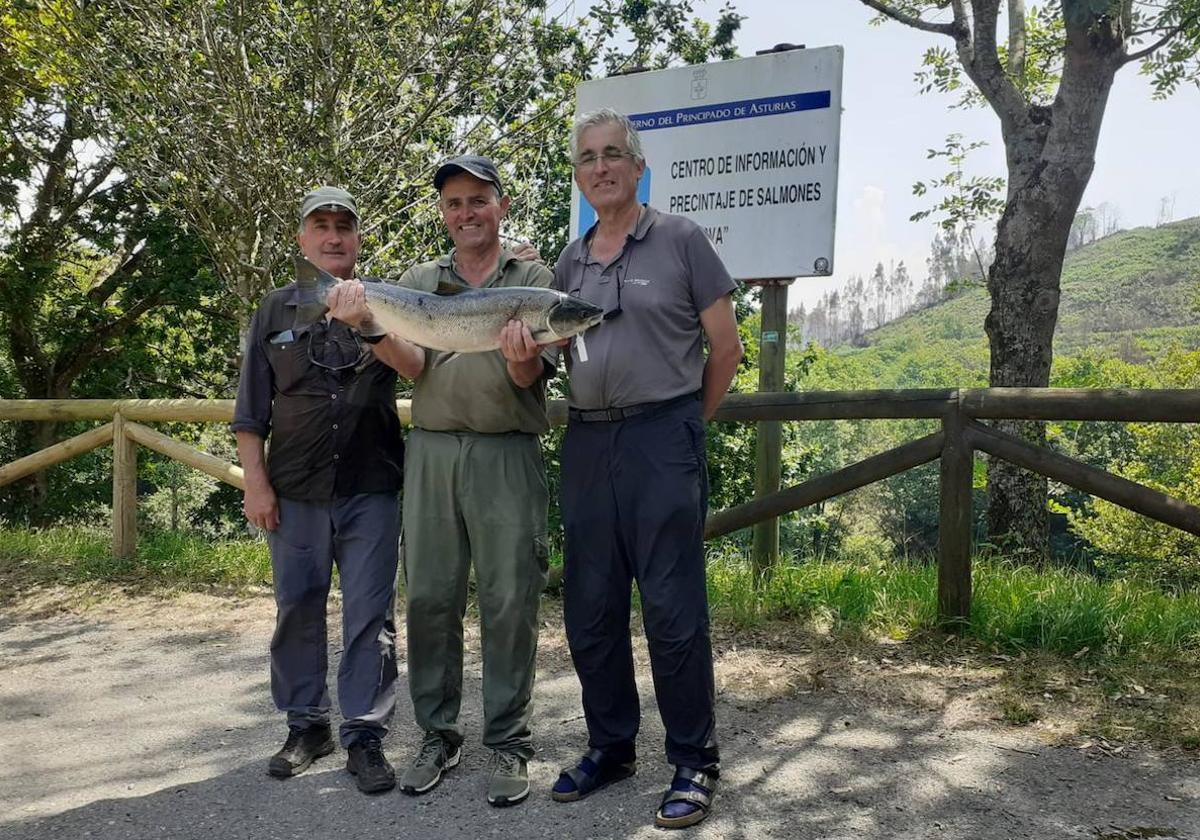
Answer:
(150, 718)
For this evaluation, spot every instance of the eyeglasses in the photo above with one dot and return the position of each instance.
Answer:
(337, 347)
(609, 156)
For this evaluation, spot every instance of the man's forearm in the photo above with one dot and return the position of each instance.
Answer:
(406, 358)
(523, 374)
(251, 455)
(719, 371)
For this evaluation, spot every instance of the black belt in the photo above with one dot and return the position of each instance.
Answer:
(611, 415)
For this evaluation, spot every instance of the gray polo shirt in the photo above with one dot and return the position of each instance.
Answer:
(664, 277)
(473, 393)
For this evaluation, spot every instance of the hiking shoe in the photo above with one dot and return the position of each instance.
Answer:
(509, 783)
(302, 747)
(369, 767)
(435, 757)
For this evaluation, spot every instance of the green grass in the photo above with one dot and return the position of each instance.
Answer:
(79, 555)
(1013, 607)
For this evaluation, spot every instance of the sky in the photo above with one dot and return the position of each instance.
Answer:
(1146, 151)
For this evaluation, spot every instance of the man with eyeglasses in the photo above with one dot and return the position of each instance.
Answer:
(634, 483)
(327, 493)
(475, 496)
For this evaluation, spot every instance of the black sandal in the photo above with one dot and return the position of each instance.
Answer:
(594, 771)
(694, 787)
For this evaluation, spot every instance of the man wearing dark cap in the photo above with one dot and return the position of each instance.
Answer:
(475, 495)
(324, 395)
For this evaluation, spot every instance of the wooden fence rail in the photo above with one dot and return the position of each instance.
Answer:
(961, 436)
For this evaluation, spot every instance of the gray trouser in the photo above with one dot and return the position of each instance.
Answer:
(474, 500)
(361, 534)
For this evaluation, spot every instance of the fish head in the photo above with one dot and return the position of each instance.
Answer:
(572, 315)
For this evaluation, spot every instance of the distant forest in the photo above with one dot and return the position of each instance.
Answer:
(844, 316)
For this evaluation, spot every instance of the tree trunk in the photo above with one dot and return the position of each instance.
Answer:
(1024, 286)
(1051, 153)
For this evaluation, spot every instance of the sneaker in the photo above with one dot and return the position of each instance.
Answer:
(366, 762)
(302, 747)
(509, 783)
(435, 757)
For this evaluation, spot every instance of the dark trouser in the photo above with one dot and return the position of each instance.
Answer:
(634, 499)
(361, 534)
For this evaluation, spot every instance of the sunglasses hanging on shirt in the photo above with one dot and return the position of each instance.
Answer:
(622, 272)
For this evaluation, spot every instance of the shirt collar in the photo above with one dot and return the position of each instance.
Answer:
(447, 262)
(644, 223)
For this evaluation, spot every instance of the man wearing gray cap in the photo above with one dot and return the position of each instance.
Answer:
(324, 394)
(475, 495)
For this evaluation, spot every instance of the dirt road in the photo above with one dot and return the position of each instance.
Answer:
(144, 717)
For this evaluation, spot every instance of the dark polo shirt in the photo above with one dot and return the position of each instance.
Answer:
(332, 433)
(664, 277)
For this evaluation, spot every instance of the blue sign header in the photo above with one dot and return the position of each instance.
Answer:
(724, 111)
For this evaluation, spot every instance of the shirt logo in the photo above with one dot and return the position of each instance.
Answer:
(638, 281)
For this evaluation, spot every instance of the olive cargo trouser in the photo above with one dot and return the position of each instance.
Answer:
(474, 500)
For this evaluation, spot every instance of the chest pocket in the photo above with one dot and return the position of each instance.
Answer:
(288, 357)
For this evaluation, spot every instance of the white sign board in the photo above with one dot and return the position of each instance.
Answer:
(748, 149)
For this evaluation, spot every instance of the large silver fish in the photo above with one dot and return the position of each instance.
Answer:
(460, 321)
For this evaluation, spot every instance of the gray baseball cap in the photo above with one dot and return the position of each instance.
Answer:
(477, 165)
(328, 198)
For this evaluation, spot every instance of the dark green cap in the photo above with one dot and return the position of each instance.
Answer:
(328, 198)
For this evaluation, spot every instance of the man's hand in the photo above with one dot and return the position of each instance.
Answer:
(523, 355)
(261, 506)
(517, 344)
(526, 252)
(347, 302)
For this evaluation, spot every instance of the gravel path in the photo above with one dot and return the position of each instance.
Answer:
(145, 717)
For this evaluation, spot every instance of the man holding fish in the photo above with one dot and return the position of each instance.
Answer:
(475, 494)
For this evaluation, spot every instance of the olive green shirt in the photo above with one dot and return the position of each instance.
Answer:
(473, 392)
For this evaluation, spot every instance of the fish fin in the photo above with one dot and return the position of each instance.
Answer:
(312, 285)
(443, 359)
(446, 287)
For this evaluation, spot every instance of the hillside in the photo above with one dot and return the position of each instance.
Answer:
(1129, 295)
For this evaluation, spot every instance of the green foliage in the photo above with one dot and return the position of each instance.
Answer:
(663, 30)
(1165, 457)
(1013, 607)
(966, 201)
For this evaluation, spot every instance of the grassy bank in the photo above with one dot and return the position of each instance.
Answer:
(1013, 607)
(81, 555)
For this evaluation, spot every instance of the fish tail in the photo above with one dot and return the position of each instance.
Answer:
(312, 286)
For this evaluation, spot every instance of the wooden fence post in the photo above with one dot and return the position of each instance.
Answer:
(954, 522)
(124, 496)
(772, 358)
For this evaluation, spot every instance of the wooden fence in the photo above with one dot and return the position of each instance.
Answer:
(961, 436)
